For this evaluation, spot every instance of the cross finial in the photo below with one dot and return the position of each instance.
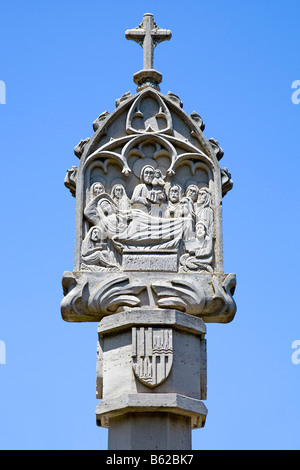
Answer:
(148, 35)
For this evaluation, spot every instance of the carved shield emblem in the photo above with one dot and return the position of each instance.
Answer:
(152, 354)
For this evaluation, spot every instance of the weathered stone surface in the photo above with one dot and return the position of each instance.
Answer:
(162, 189)
(143, 351)
(148, 35)
(90, 296)
(142, 317)
(70, 180)
(161, 261)
(151, 377)
(79, 149)
(149, 258)
(155, 430)
(149, 192)
(152, 403)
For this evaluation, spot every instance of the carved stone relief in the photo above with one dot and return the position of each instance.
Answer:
(149, 257)
(152, 354)
(148, 202)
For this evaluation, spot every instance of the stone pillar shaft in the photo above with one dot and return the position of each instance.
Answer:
(150, 431)
(151, 378)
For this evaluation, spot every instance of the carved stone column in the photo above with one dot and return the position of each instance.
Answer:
(151, 378)
(149, 259)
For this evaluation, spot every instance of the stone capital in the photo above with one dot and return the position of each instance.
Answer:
(151, 361)
(171, 403)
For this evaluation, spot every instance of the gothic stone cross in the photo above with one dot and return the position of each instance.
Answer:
(148, 35)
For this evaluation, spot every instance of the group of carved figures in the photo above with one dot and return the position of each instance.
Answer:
(158, 217)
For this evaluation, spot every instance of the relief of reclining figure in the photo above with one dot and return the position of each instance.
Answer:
(157, 218)
(149, 216)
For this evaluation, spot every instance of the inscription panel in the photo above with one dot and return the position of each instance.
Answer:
(150, 261)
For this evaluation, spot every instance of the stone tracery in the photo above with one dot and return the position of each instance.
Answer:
(149, 192)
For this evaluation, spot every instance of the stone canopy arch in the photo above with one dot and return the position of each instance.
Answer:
(173, 207)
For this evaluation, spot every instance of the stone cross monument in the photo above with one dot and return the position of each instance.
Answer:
(148, 259)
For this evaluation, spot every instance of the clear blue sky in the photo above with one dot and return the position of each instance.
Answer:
(64, 63)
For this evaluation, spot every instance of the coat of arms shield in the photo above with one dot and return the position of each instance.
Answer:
(152, 354)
